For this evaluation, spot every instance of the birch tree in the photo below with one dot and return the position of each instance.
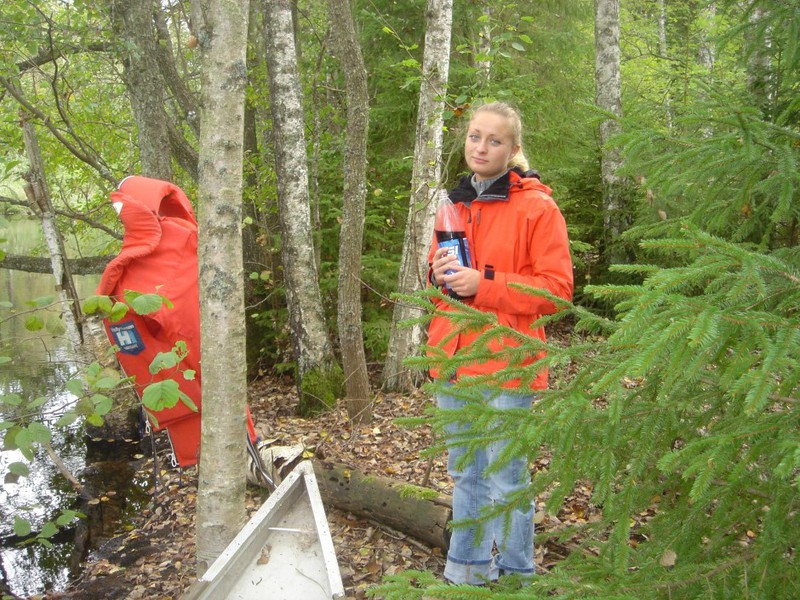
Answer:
(316, 368)
(223, 460)
(425, 181)
(351, 337)
(608, 96)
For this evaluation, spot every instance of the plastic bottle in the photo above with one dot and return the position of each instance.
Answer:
(451, 234)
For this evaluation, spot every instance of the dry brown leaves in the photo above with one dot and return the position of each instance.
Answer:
(155, 559)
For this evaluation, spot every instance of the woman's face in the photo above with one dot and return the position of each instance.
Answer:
(489, 145)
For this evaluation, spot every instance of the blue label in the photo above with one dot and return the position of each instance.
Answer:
(458, 248)
(127, 337)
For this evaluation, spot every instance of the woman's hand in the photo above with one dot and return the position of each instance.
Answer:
(463, 281)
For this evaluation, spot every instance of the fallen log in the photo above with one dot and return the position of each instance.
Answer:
(419, 512)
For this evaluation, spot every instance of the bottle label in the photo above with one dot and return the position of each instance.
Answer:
(458, 247)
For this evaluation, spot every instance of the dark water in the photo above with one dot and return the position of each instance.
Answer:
(40, 367)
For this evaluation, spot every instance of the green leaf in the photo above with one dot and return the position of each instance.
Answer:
(160, 395)
(118, 311)
(164, 360)
(48, 530)
(55, 325)
(5, 304)
(19, 468)
(91, 305)
(188, 401)
(75, 387)
(102, 404)
(67, 419)
(95, 419)
(190, 374)
(37, 402)
(67, 517)
(11, 399)
(5, 360)
(42, 301)
(6, 425)
(39, 433)
(34, 323)
(106, 383)
(145, 304)
(22, 527)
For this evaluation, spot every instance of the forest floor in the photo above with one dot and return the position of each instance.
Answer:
(154, 556)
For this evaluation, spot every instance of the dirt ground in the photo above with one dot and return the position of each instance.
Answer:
(154, 557)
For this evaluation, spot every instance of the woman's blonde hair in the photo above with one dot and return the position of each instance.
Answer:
(503, 109)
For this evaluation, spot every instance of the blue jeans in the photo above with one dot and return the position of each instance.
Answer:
(469, 559)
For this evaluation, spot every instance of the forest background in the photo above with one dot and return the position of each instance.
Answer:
(682, 386)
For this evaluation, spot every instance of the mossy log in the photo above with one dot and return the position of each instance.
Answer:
(419, 512)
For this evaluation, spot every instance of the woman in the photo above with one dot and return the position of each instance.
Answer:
(516, 234)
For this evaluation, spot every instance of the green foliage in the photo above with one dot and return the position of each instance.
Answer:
(685, 406)
(25, 428)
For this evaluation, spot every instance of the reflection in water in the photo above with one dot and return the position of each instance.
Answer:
(41, 366)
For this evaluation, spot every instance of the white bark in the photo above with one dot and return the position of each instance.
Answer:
(223, 456)
(425, 180)
(706, 55)
(307, 320)
(485, 44)
(760, 76)
(608, 95)
(39, 198)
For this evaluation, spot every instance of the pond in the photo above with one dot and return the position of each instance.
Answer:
(41, 365)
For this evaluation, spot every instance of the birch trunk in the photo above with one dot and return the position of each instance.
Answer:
(608, 95)
(351, 338)
(39, 198)
(223, 458)
(313, 351)
(425, 181)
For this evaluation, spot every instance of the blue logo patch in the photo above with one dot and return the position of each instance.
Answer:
(127, 337)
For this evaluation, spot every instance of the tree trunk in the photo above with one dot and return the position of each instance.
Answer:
(760, 76)
(223, 457)
(485, 45)
(256, 255)
(39, 199)
(351, 238)
(663, 51)
(133, 22)
(608, 95)
(313, 351)
(425, 181)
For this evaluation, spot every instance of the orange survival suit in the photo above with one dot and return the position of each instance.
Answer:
(159, 255)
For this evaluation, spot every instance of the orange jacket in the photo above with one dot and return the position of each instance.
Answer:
(516, 234)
